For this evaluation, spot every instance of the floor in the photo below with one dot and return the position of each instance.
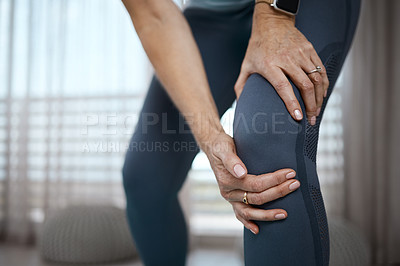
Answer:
(28, 256)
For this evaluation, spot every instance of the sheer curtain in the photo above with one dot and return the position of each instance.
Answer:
(72, 77)
(372, 130)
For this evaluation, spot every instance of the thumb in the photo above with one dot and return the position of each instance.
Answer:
(233, 164)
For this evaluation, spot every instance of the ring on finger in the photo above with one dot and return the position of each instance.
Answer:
(317, 69)
(245, 200)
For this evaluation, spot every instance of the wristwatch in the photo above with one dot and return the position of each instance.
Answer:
(290, 7)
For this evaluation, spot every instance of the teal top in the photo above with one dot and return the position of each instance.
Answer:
(218, 4)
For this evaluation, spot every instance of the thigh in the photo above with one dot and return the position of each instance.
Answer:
(222, 38)
(330, 27)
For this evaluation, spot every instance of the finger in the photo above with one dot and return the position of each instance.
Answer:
(274, 193)
(248, 224)
(285, 90)
(306, 87)
(317, 80)
(259, 198)
(233, 164)
(258, 183)
(248, 213)
(317, 61)
(319, 90)
(241, 81)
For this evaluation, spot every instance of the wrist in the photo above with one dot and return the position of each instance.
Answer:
(206, 127)
(266, 19)
(265, 13)
(209, 142)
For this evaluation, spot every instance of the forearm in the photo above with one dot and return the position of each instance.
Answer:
(171, 48)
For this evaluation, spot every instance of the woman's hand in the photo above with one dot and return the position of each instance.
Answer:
(277, 48)
(234, 181)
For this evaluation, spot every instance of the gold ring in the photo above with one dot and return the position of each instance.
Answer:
(245, 198)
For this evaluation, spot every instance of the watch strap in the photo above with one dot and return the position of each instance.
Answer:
(269, 2)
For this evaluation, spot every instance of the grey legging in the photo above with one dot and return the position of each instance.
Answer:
(267, 139)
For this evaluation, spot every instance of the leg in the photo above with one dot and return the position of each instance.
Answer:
(153, 172)
(267, 139)
(155, 165)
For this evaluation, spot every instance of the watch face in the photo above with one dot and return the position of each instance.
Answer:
(290, 6)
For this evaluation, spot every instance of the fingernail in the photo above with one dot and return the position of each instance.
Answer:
(326, 92)
(295, 185)
(239, 170)
(253, 231)
(312, 120)
(280, 216)
(290, 175)
(297, 114)
(318, 111)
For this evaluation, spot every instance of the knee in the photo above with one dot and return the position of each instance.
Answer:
(129, 176)
(141, 180)
(263, 128)
(152, 177)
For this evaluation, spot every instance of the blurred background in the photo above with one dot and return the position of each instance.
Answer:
(73, 76)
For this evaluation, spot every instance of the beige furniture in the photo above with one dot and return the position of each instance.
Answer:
(86, 234)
